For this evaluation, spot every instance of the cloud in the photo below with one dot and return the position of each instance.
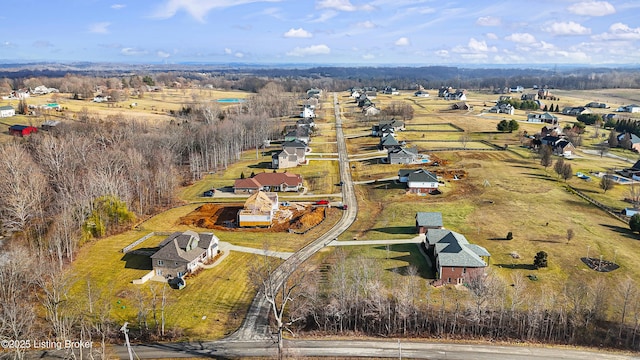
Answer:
(592, 8)
(522, 38)
(567, 28)
(198, 9)
(480, 46)
(7, 44)
(324, 16)
(488, 21)
(310, 50)
(239, 55)
(619, 31)
(132, 51)
(442, 53)
(403, 41)
(368, 56)
(42, 44)
(491, 36)
(99, 28)
(340, 5)
(118, 6)
(366, 25)
(297, 33)
(227, 51)
(163, 54)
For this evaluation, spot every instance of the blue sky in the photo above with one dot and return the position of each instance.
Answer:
(357, 32)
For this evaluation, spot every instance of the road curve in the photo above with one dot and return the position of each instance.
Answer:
(256, 324)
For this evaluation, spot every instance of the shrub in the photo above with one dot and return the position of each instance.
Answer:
(509, 235)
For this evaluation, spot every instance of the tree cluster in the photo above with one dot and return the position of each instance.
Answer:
(590, 119)
(355, 299)
(508, 125)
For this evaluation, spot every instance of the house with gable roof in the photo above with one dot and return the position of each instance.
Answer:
(402, 155)
(426, 221)
(268, 181)
(183, 253)
(7, 111)
(456, 260)
(542, 118)
(419, 181)
(258, 210)
(293, 153)
(388, 142)
(300, 133)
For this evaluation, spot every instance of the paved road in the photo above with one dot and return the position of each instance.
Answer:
(256, 323)
(370, 348)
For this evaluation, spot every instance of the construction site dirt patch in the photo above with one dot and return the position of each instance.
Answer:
(224, 217)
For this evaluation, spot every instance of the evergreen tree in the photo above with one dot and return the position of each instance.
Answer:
(634, 222)
(540, 260)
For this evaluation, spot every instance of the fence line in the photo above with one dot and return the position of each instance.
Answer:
(603, 207)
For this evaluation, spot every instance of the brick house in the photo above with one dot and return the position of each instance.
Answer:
(269, 181)
(428, 220)
(455, 258)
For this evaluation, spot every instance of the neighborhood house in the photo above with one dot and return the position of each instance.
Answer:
(258, 210)
(419, 181)
(268, 181)
(182, 253)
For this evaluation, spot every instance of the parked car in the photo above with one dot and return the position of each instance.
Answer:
(208, 193)
(321, 202)
(345, 207)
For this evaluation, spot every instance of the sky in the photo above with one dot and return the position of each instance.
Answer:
(331, 32)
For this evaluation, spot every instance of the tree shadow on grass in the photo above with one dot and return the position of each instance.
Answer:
(548, 241)
(626, 232)
(396, 230)
(516, 266)
(260, 165)
(139, 259)
(541, 177)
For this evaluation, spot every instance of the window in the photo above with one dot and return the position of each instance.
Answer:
(464, 270)
(160, 263)
(159, 272)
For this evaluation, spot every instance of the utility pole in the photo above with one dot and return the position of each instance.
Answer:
(126, 339)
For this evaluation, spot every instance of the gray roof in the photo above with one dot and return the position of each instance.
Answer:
(453, 249)
(182, 247)
(6, 107)
(389, 140)
(429, 219)
(294, 144)
(422, 175)
(435, 236)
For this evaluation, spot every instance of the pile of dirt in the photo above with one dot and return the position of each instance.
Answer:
(308, 220)
(449, 174)
(223, 217)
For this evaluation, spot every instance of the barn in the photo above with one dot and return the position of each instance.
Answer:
(22, 130)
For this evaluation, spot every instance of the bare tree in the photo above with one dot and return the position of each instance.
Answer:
(607, 182)
(570, 234)
(267, 277)
(545, 156)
